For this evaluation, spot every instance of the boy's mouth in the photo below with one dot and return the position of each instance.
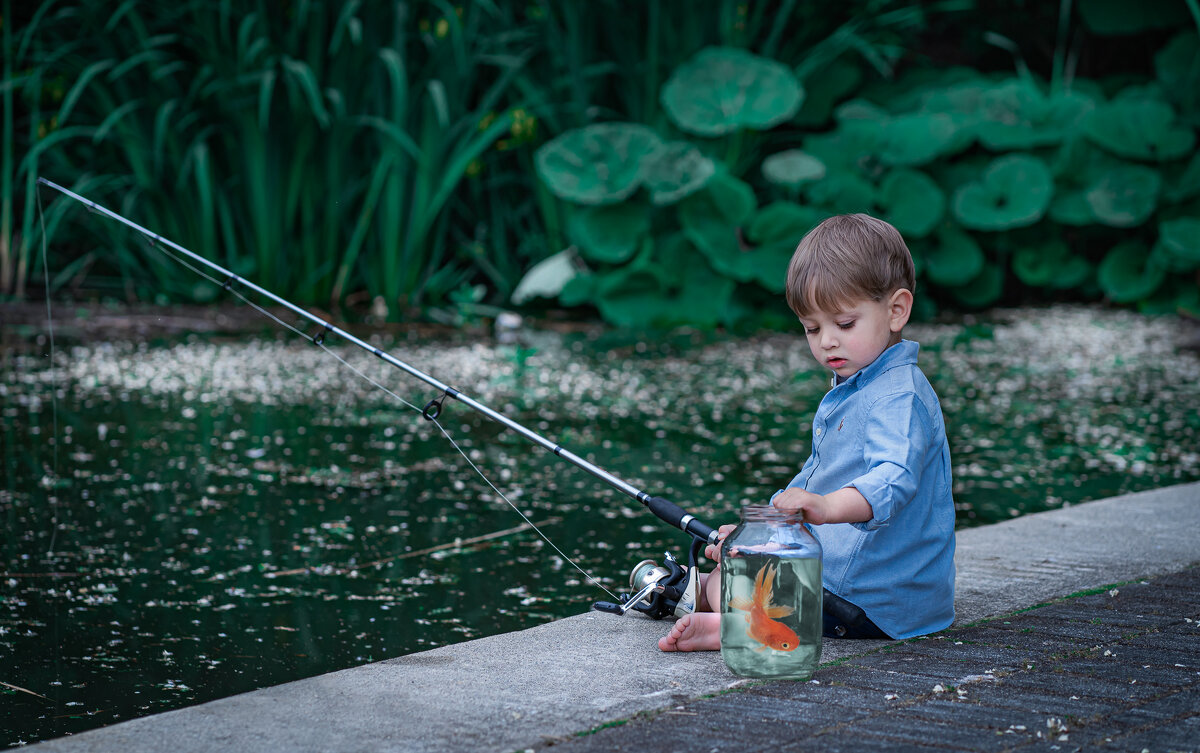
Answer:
(835, 363)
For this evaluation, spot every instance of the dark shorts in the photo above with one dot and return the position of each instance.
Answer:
(845, 620)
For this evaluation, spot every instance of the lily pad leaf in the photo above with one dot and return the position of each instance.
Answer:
(912, 201)
(724, 89)
(1017, 115)
(953, 259)
(610, 233)
(1013, 191)
(1127, 273)
(1050, 265)
(842, 192)
(1124, 196)
(632, 296)
(824, 87)
(596, 164)
(1070, 207)
(792, 168)
(1181, 239)
(1177, 67)
(676, 170)
(1140, 128)
(984, 289)
(773, 235)
(712, 218)
(548, 277)
(859, 110)
(579, 290)
(851, 145)
(916, 139)
(702, 297)
(1188, 183)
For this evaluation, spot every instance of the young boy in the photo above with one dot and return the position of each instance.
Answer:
(876, 490)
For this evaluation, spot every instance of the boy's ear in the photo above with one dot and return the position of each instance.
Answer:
(899, 309)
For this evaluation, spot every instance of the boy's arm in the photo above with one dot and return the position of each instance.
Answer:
(846, 505)
(898, 438)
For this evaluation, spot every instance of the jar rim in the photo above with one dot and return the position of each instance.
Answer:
(771, 512)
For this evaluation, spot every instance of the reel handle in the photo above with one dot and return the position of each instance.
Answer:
(672, 513)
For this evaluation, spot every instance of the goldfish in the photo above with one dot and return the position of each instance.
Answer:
(761, 614)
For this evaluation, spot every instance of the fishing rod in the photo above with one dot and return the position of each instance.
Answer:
(656, 590)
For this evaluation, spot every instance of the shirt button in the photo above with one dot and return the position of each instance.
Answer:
(818, 431)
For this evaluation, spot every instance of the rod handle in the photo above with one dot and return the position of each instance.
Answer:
(672, 513)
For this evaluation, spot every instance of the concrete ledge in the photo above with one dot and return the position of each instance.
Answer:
(511, 691)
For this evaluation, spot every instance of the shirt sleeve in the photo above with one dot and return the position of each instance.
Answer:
(896, 440)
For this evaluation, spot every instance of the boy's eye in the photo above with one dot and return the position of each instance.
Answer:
(811, 330)
(846, 325)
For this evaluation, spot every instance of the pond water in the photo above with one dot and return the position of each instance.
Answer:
(195, 518)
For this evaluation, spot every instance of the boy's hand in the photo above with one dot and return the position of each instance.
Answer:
(846, 505)
(713, 551)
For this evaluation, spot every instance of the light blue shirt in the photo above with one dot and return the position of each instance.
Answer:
(881, 431)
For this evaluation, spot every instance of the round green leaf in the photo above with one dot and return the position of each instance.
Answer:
(912, 202)
(1013, 191)
(632, 297)
(783, 221)
(1139, 128)
(792, 168)
(953, 259)
(1177, 67)
(824, 87)
(702, 297)
(610, 233)
(676, 170)
(1126, 274)
(916, 139)
(850, 145)
(774, 234)
(1181, 239)
(578, 290)
(842, 192)
(1070, 207)
(712, 220)
(1187, 184)
(962, 102)
(723, 89)
(1124, 196)
(1050, 265)
(1177, 295)
(597, 164)
(984, 289)
(1017, 115)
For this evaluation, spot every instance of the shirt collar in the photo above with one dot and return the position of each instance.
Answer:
(901, 354)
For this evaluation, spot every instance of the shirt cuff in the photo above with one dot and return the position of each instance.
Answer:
(878, 493)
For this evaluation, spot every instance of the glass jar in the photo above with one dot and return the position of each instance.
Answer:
(771, 596)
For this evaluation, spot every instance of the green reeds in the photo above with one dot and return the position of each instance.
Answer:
(340, 152)
(320, 148)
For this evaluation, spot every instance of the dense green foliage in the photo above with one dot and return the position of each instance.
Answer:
(660, 159)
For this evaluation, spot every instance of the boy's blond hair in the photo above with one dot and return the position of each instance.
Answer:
(845, 259)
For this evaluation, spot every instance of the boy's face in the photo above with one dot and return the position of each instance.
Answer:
(849, 340)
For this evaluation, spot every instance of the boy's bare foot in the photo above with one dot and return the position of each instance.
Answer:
(699, 631)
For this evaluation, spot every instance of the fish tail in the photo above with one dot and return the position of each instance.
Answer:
(764, 586)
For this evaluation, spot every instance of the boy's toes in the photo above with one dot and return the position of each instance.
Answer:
(670, 641)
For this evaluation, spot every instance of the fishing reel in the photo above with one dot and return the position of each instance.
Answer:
(661, 590)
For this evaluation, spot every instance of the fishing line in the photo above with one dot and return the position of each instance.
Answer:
(376, 384)
(53, 382)
(674, 588)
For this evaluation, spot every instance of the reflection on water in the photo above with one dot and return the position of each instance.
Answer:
(201, 517)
